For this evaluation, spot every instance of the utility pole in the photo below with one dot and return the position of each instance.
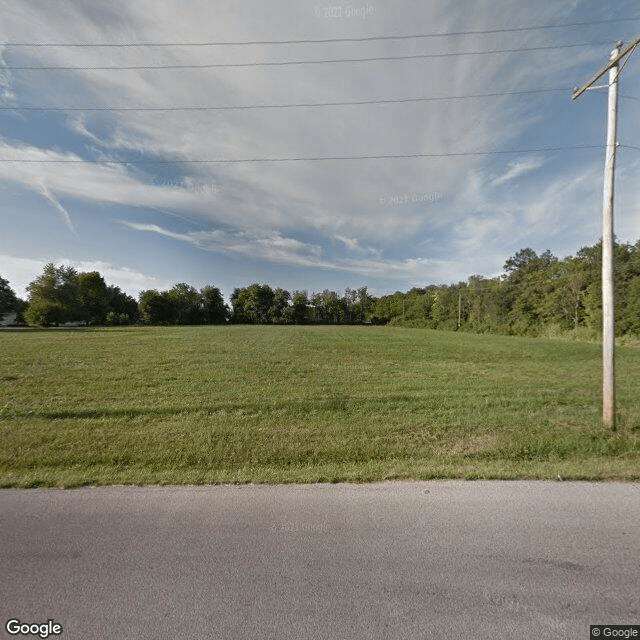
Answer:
(608, 309)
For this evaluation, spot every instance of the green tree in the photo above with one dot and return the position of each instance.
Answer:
(279, 311)
(251, 305)
(626, 266)
(363, 305)
(299, 309)
(186, 305)
(93, 298)
(388, 308)
(328, 307)
(123, 309)
(566, 284)
(53, 297)
(155, 307)
(356, 303)
(214, 309)
(417, 306)
(8, 298)
(626, 275)
(526, 288)
(485, 305)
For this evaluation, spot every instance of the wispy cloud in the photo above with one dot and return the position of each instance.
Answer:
(516, 169)
(274, 247)
(353, 245)
(63, 212)
(269, 246)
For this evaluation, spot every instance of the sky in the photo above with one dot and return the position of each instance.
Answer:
(113, 169)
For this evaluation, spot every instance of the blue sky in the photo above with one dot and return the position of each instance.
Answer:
(389, 224)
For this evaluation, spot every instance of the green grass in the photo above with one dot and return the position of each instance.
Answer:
(306, 404)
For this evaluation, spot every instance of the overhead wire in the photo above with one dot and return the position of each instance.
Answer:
(299, 105)
(300, 159)
(318, 41)
(292, 105)
(283, 63)
(624, 64)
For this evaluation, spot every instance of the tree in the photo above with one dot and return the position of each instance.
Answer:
(186, 305)
(526, 261)
(488, 304)
(526, 287)
(630, 322)
(251, 305)
(93, 298)
(387, 308)
(155, 307)
(363, 304)
(329, 307)
(628, 292)
(8, 298)
(278, 313)
(299, 309)
(563, 302)
(123, 309)
(53, 296)
(214, 310)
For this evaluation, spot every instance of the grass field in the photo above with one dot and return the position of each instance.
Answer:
(200, 405)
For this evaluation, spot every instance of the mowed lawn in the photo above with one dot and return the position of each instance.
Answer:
(201, 405)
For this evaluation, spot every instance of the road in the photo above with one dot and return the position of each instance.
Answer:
(442, 559)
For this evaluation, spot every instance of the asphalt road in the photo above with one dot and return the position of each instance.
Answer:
(406, 560)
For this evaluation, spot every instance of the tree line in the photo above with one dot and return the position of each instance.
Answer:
(536, 293)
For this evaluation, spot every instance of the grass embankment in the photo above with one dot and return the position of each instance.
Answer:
(305, 404)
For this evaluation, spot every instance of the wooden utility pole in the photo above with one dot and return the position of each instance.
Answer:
(608, 309)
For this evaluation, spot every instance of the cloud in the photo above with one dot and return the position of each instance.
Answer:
(318, 215)
(21, 271)
(561, 215)
(129, 280)
(276, 248)
(63, 212)
(516, 169)
(268, 246)
(353, 245)
(341, 196)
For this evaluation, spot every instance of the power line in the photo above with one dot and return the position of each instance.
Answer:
(295, 105)
(301, 159)
(303, 62)
(315, 41)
